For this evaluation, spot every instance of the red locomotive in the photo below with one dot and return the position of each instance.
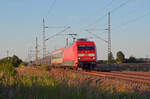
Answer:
(82, 54)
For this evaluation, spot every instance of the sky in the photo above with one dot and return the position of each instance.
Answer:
(21, 22)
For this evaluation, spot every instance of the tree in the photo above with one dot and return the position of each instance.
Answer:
(16, 61)
(120, 57)
(132, 59)
(110, 58)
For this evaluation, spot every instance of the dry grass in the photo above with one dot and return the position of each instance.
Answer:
(113, 86)
(124, 86)
(34, 83)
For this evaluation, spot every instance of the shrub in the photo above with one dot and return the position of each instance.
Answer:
(7, 69)
(110, 58)
(14, 61)
(44, 67)
(24, 64)
(131, 59)
(120, 57)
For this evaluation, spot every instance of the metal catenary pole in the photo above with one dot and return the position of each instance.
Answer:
(109, 35)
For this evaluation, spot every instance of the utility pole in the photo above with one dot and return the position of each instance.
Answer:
(36, 51)
(67, 42)
(44, 39)
(7, 53)
(30, 54)
(109, 35)
(73, 35)
(147, 58)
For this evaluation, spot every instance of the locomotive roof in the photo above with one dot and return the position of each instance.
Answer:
(86, 42)
(58, 50)
(77, 42)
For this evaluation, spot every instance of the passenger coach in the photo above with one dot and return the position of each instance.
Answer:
(82, 54)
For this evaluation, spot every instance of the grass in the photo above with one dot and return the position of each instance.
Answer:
(34, 83)
(7, 69)
(44, 67)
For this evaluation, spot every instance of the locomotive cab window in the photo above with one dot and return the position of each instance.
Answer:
(86, 47)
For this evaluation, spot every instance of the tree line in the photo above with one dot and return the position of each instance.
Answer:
(120, 58)
(15, 61)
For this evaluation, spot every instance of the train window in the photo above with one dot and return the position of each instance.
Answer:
(57, 55)
(86, 47)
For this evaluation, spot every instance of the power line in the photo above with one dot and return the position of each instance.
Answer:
(137, 18)
(113, 10)
(99, 19)
(51, 8)
(134, 20)
(97, 36)
(57, 27)
(108, 4)
(96, 29)
(58, 33)
(120, 6)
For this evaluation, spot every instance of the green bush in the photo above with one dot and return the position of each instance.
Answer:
(14, 61)
(110, 58)
(44, 67)
(120, 57)
(24, 64)
(7, 69)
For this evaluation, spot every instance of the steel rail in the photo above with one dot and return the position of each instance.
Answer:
(132, 78)
(145, 74)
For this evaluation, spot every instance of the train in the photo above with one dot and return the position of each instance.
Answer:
(81, 54)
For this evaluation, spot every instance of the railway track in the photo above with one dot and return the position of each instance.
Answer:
(136, 77)
(146, 74)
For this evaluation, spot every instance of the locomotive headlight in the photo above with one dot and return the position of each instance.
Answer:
(81, 54)
(91, 54)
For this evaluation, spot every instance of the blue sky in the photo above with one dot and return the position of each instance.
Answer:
(21, 22)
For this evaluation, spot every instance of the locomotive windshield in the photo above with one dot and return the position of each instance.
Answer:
(86, 47)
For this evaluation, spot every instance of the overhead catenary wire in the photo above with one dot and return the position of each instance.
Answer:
(96, 29)
(96, 36)
(108, 4)
(56, 27)
(100, 18)
(111, 11)
(58, 33)
(133, 20)
(120, 6)
(51, 8)
(137, 18)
